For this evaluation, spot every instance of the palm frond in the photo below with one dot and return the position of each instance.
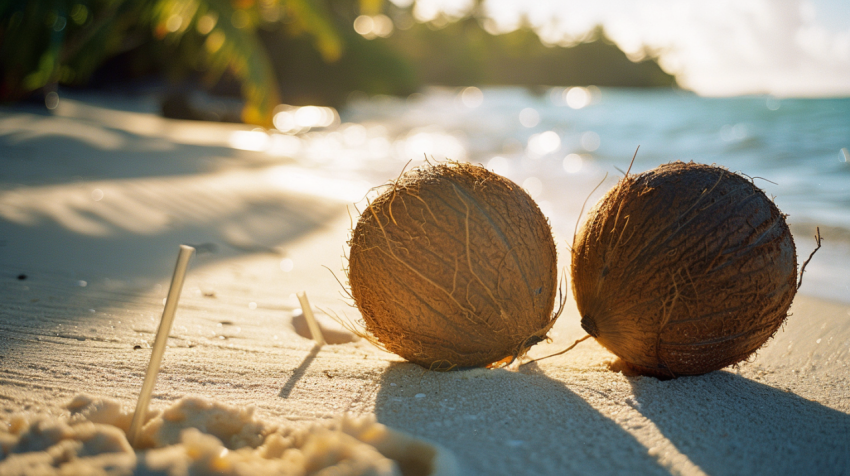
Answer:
(65, 41)
(314, 19)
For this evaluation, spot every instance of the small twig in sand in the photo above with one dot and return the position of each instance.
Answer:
(315, 330)
(818, 240)
(159, 344)
(559, 353)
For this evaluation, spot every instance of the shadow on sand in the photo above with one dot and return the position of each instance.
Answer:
(506, 423)
(91, 216)
(78, 195)
(299, 372)
(727, 424)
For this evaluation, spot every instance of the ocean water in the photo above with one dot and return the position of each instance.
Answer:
(559, 144)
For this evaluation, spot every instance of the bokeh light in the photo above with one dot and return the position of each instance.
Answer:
(51, 100)
(773, 103)
(371, 27)
(577, 97)
(590, 141)
(256, 140)
(430, 142)
(529, 117)
(287, 265)
(499, 165)
(544, 143)
(533, 186)
(174, 23)
(206, 23)
(573, 163)
(737, 132)
(354, 135)
(471, 97)
(292, 120)
(283, 145)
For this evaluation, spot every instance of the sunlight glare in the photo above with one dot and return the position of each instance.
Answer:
(256, 140)
(297, 180)
(577, 97)
(379, 146)
(430, 142)
(283, 145)
(433, 10)
(354, 135)
(293, 120)
(309, 116)
(284, 121)
(544, 143)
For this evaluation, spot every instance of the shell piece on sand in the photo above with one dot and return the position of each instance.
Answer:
(200, 436)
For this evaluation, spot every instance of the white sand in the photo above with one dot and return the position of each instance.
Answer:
(98, 270)
(197, 436)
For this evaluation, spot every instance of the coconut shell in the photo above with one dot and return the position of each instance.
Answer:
(684, 269)
(454, 266)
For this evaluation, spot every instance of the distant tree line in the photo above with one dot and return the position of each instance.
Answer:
(459, 54)
(291, 51)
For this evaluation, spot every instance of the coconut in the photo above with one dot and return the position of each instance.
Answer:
(454, 266)
(684, 269)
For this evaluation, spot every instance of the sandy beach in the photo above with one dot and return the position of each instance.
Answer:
(95, 200)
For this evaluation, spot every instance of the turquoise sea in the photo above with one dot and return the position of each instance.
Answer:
(559, 143)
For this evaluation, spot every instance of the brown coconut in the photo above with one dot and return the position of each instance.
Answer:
(454, 266)
(684, 269)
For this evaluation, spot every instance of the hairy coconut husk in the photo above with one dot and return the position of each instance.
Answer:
(683, 269)
(454, 266)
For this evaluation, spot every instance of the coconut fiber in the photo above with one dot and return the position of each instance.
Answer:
(684, 269)
(454, 266)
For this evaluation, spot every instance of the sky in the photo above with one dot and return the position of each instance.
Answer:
(716, 48)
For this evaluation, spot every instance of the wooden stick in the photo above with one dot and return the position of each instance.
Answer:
(315, 330)
(159, 344)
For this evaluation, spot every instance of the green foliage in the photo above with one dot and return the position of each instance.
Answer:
(40, 41)
(372, 67)
(65, 41)
(289, 47)
(462, 53)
